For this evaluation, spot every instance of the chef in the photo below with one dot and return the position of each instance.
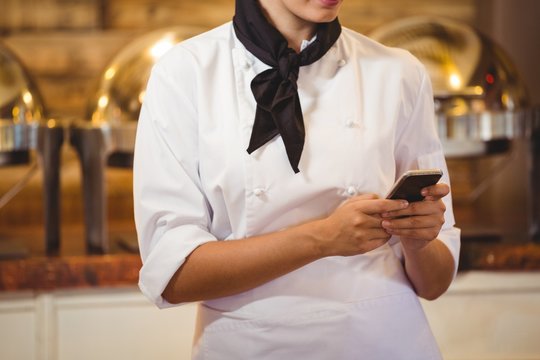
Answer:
(264, 151)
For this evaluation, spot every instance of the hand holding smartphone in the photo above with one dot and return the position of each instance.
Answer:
(409, 185)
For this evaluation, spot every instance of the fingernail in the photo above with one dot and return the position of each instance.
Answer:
(386, 223)
(424, 192)
(404, 204)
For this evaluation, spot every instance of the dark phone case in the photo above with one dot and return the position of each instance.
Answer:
(411, 186)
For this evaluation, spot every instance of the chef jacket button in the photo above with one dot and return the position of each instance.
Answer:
(350, 123)
(246, 64)
(351, 191)
(258, 192)
(341, 62)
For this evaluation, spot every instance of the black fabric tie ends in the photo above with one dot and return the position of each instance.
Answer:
(275, 90)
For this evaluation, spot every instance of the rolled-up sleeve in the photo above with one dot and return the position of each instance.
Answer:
(172, 215)
(418, 147)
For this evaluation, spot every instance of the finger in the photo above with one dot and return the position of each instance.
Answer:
(369, 234)
(379, 206)
(413, 222)
(418, 208)
(423, 234)
(436, 191)
(361, 197)
(365, 197)
(361, 220)
(373, 244)
(376, 234)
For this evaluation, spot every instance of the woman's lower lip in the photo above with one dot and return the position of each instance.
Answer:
(330, 2)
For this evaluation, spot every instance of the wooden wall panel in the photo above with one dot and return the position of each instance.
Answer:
(365, 15)
(123, 14)
(18, 15)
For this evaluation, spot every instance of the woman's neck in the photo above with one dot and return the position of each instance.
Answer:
(293, 28)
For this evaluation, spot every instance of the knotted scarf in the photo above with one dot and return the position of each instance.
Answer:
(275, 90)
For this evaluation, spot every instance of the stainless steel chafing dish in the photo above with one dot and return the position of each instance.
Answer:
(107, 136)
(489, 132)
(24, 131)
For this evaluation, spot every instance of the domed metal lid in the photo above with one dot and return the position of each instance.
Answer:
(461, 61)
(479, 95)
(20, 104)
(121, 89)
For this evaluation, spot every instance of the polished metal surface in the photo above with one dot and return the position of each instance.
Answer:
(479, 95)
(121, 89)
(21, 108)
(117, 101)
(24, 128)
(107, 136)
(16, 137)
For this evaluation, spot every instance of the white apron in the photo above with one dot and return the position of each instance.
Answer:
(386, 327)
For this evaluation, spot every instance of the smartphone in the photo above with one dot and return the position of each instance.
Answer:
(409, 185)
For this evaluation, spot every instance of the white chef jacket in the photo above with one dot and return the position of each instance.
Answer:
(368, 113)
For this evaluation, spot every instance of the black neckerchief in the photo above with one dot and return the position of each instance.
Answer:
(275, 90)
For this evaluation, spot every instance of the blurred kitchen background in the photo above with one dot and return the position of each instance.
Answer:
(68, 254)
